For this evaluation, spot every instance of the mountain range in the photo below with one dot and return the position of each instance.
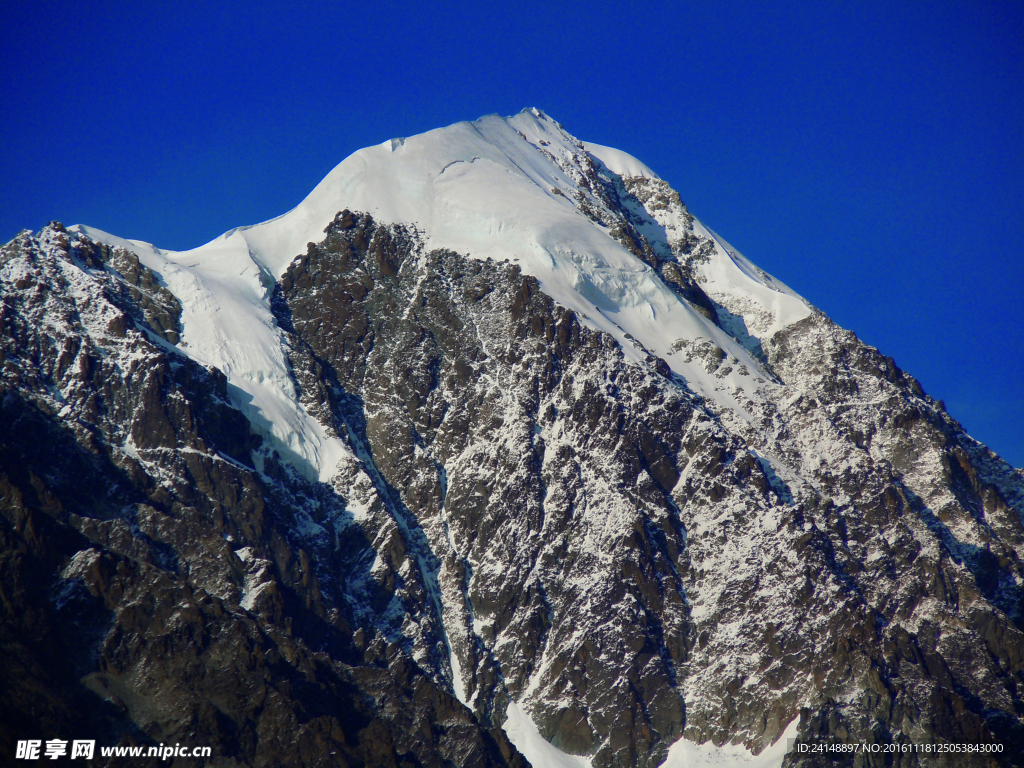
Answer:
(487, 453)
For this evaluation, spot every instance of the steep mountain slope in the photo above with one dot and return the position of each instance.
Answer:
(489, 418)
(155, 587)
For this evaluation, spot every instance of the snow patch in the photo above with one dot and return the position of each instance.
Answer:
(227, 323)
(687, 754)
(731, 278)
(522, 732)
(617, 161)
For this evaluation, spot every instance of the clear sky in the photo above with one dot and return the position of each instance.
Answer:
(870, 155)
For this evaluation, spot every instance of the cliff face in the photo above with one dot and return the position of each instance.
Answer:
(660, 500)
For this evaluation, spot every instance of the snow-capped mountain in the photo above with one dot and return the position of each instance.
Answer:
(487, 447)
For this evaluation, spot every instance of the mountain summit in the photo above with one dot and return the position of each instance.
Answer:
(516, 189)
(487, 452)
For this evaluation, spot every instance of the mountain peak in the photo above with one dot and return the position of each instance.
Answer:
(593, 224)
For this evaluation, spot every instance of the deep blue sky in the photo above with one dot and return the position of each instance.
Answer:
(870, 155)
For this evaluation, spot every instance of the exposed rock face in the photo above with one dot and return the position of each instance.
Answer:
(537, 464)
(919, 527)
(153, 589)
(527, 512)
